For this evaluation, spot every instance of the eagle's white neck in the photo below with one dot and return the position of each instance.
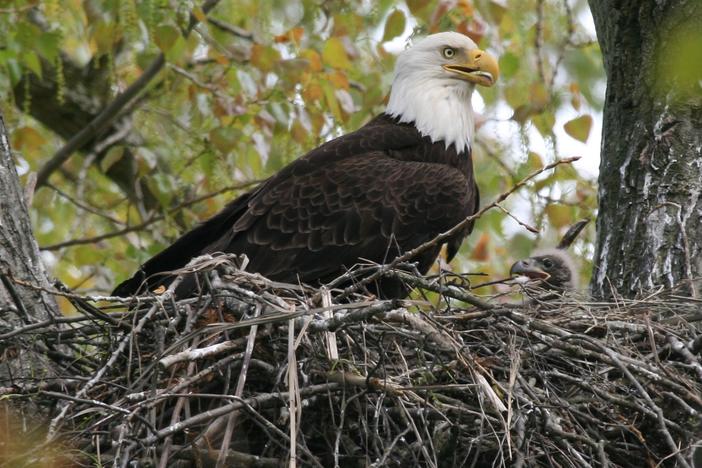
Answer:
(440, 108)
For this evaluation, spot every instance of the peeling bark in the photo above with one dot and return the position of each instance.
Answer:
(649, 229)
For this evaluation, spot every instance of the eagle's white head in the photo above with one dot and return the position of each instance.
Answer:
(433, 83)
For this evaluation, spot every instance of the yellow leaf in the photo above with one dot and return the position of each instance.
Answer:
(559, 215)
(27, 139)
(318, 120)
(579, 128)
(312, 92)
(315, 61)
(466, 7)
(394, 26)
(264, 57)
(575, 96)
(534, 161)
(334, 54)
(480, 251)
(299, 132)
(418, 8)
(219, 58)
(338, 79)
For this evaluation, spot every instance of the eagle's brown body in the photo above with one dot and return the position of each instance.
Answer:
(366, 196)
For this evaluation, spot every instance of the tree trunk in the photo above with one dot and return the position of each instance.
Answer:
(649, 229)
(21, 275)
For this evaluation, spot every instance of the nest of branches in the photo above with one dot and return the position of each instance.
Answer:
(256, 373)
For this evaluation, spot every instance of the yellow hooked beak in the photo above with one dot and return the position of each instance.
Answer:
(480, 68)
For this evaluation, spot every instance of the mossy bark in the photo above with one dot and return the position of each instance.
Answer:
(649, 228)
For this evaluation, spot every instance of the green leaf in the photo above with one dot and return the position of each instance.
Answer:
(334, 54)
(176, 53)
(394, 26)
(14, 70)
(509, 64)
(208, 163)
(113, 155)
(579, 128)
(27, 34)
(544, 122)
(48, 45)
(31, 61)
(165, 36)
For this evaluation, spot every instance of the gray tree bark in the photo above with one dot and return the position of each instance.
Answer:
(22, 278)
(649, 228)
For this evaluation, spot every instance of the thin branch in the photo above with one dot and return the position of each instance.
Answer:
(148, 222)
(260, 400)
(231, 29)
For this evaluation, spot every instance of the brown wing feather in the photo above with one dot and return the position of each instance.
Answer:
(373, 207)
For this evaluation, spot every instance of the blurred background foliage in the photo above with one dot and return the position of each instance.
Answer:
(255, 84)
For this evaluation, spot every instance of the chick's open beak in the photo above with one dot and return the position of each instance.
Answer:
(526, 268)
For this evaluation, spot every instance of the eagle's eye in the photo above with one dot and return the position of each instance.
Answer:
(449, 52)
(548, 263)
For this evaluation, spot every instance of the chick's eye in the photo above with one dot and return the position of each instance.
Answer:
(449, 52)
(548, 263)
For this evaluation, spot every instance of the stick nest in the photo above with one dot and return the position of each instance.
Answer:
(256, 373)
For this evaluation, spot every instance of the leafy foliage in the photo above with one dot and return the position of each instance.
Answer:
(256, 84)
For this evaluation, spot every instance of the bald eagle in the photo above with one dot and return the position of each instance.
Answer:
(370, 195)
